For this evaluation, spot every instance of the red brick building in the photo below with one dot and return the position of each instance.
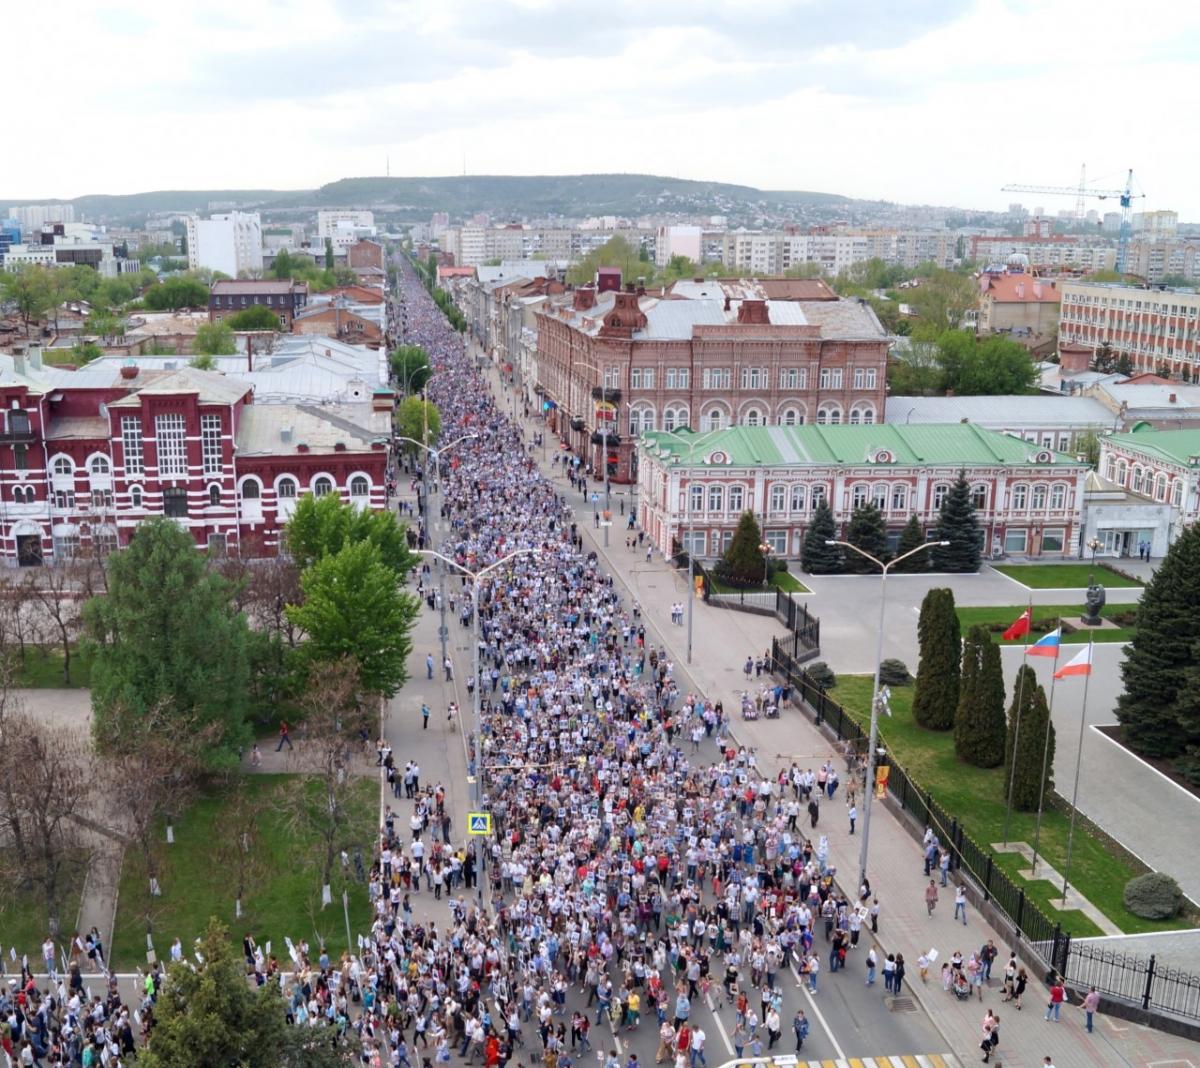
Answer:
(636, 362)
(334, 320)
(285, 298)
(364, 253)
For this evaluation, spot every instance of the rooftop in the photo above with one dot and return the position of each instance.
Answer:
(355, 426)
(883, 445)
(1173, 446)
(210, 387)
(1000, 412)
(1156, 394)
(1019, 289)
(234, 287)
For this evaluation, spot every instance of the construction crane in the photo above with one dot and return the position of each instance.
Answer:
(1125, 196)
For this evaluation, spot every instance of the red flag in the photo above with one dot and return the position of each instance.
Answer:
(1020, 628)
(1080, 664)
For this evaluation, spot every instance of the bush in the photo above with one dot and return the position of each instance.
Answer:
(1153, 896)
(1188, 765)
(893, 672)
(822, 674)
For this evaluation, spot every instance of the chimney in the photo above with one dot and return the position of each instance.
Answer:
(1171, 399)
(35, 355)
(285, 434)
(584, 298)
(1020, 291)
(753, 312)
(129, 371)
(19, 359)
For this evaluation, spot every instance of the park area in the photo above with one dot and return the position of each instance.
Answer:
(998, 618)
(1066, 576)
(1099, 868)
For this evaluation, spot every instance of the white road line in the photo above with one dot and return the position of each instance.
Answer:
(817, 1013)
(720, 1027)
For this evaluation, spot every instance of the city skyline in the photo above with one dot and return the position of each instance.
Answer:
(938, 103)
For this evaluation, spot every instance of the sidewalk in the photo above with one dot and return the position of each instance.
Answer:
(721, 640)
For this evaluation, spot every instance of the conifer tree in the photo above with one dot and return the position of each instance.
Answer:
(936, 696)
(911, 537)
(979, 725)
(868, 531)
(743, 562)
(816, 557)
(957, 525)
(1030, 755)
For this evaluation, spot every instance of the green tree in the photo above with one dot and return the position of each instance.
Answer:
(1158, 714)
(917, 371)
(84, 352)
(167, 632)
(203, 362)
(323, 526)
(942, 300)
(214, 339)
(743, 561)
(353, 607)
(957, 525)
(808, 269)
(615, 252)
(979, 725)
(175, 293)
(817, 557)
(329, 253)
(868, 531)
(911, 537)
(410, 365)
(30, 290)
(1030, 755)
(936, 696)
(418, 419)
(992, 366)
(255, 317)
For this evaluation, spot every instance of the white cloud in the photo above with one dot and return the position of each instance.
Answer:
(927, 101)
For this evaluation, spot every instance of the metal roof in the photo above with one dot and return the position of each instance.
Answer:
(1173, 446)
(356, 426)
(1035, 410)
(212, 387)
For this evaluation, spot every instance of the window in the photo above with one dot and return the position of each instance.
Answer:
(210, 443)
(793, 378)
(777, 539)
(753, 417)
(131, 444)
(1160, 487)
(66, 544)
(754, 378)
(21, 457)
(979, 498)
(1058, 497)
(939, 494)
(674, 417)
(286, 489)
(102, 498)
(104, 540)
(1020, 498)
(1052, 540)
(640, 420)
(831, 378)
(322, 487)
(862, 413)
(864, 378)
(135, 497)
(24, 495)
(899, 498)
(63, 466)
(612, 377)
(360, 487)
(1038, 500)
(859, 494)
(695, 542)
(778, 498)
(737, 496)
(171, 435)
(716, 498)
(99, 465)
(1015, 541)
(175, 502)
(18, 422)
(64, 499)
(696, 493)
(1177, 493)
(716, 378)
(214, 495)
(799, 494)
(641, 378)
(1137, 479)
(791, 417)
(829, 414)
(714, 419)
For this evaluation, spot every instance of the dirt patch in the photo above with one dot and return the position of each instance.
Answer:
(1114, 731)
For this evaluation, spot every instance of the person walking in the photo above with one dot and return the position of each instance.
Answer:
(1058, 994)
(284, 735)
(429, 665)
(424, 716)
(931, 897)
(1091, 1004)
(800, 1027)
(853, 814)
(960, 903)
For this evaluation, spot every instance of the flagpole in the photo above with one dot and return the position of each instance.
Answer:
(1012, 769)
(1078, 761)
(1037, 831)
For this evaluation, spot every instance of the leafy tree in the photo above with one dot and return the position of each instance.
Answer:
(936, 697)
(167, 633)
(615, 252)
(214, 339)
(1159, 713)
(30, 289)
(410, 365)
(203, 362)
(255, 317)
(957, 525)
(175, 293)
(323, 526)
(329, 253)
(911, 537)
(353, 607)
(85, 352)
(1030, 755)
(418, 419)
(817, 557)
(868, 531)
(917, 372)
(942, 300)
(991, 366)
(979, 724)
(743, 561)
(808, 269)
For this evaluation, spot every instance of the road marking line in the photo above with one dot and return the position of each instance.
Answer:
(720, 1027)
(817, 1013)
(909, 1060)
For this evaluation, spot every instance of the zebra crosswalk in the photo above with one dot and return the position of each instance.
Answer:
(893, 1060)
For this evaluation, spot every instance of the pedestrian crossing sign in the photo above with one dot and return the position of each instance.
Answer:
(479, 823)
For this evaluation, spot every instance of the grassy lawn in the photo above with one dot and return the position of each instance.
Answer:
(977, 795)
(1064, 576)
(998, 618)
(787, 582)
(286, 900)
(23, 923)
(43, 668)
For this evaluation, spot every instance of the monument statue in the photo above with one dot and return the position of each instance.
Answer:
(1094, 602)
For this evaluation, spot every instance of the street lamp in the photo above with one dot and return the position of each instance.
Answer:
(477, 776)
(765, 549)
(1093, 544)
(603, 445)
(873, 740)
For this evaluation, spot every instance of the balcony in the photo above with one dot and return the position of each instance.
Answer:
(577, 424)
(606, 393)
(17, 437)
(613, 438)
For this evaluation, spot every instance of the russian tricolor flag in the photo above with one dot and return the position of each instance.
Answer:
(1047, 645)
(1079, 664)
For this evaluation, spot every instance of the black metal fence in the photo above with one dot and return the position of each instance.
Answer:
(1139, 981)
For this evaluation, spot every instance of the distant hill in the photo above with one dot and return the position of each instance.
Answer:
(501, 196)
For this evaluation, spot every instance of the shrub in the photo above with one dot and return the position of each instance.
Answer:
(1153, 896)
(893, 672)
(822, 674)
(1188, 765)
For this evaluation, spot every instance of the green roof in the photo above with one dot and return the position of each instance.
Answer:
(930, 444)
(1172, 446)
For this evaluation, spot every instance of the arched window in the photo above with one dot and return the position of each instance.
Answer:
(939, 494)
(818, 495)
(859, 494)
(737, 497)
(675, 416)
(778, 499)
(100, 465)
(791, 417)
(1177, 492)
(862, 413)
(1020, 498)
(1122, 472)
(214, 494)
(251, 490)
(753, 417)
(1110, 469)
(1038, 500)
(286, 489)
(135, 496)
(1058, 496)
(1137, 479)
(1160, 487)
(879, 496)
(714, 419)
(640, 420)
(799, 495)
(716, 498)
(900, 497)
(359, 486)
(63, 465)
(322, 487)
(829, 414)
(696, 494)
(979, 495)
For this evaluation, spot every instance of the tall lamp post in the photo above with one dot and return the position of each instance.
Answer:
(603, 446)
(873, 741)
(765, 549)
(477, 771)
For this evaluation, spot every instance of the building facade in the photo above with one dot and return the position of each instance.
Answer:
(1159, 466)
(285, 298)
(1027, 499)
(1060, 252)
(1020, 305)
(230, 242)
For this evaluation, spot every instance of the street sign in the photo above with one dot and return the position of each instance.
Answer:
(479, 823)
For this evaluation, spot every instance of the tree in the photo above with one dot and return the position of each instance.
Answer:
(420, 420)
(329, 253)
(868, 531)
(214, 339)
(30, 289)
(743, 561)
(410, 366)
(936, 696)
(256, 317)
(1104, 359)
(917, 372)
(167, 634)
(85, 352)
(354, 608)
(1029, 749)
(323, 526)
(911, 537)
(942, 300)
(1087, 445)
(816, 556)
(615, 252)
(991, 366)
(1159, 717)
(204, 362)
(176, 293)
(957, 525)
(239, 865)
(979, 725)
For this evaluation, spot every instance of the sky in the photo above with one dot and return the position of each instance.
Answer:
(916, 101)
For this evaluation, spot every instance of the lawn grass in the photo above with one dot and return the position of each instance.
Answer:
(285, 902)
(23, 922)
(1065, 576)
(977, 797)
(788, 582)
(43, 668)
(997, 618)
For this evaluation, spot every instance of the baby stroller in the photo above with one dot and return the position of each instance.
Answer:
(960, 985)
(749, 710)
